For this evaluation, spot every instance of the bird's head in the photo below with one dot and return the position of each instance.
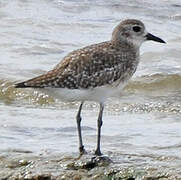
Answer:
(133, 31)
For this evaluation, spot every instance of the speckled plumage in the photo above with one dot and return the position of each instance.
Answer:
(90, 67)
(96, 72)
(106, 63)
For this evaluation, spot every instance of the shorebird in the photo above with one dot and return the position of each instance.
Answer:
(96, 72)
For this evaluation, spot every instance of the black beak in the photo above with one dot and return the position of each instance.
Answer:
(154, 38)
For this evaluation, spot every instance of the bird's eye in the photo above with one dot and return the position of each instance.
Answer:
(136, 28)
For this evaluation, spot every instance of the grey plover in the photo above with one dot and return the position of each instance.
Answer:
(96, 72)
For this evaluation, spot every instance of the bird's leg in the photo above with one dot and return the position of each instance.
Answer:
(99, 124)
(78, 118)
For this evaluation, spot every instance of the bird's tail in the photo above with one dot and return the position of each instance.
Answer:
(38, 82)
(21, 85)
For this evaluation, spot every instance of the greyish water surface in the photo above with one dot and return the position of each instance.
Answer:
(144, 121)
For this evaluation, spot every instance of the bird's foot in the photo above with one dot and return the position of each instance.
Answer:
(82, 150)
(98, 152)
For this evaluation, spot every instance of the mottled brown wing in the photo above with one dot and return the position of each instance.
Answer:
(85, 68)
(90, 71)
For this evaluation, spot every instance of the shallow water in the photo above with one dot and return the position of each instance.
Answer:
(144, 120)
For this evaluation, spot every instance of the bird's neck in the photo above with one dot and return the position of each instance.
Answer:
(125, 45)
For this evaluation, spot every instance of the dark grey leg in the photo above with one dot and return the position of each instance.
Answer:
(78, 117)
(99, 124)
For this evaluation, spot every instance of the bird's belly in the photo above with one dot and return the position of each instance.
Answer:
(98, 94)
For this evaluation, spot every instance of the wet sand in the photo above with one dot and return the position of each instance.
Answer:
(25, 166)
